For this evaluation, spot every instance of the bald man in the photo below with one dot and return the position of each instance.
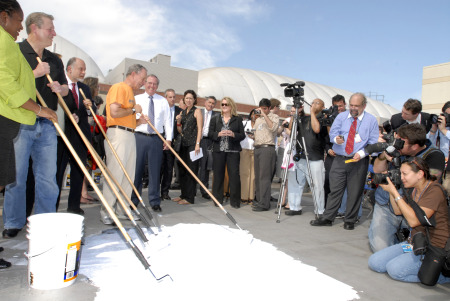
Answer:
(314, 133)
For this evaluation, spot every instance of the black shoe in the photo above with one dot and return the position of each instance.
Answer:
(349, 226)
(272, 199)
(293, 212)
(10, 233)
(206, 196)
(321, 222)
(157, 208)
(175, 186)
(259, 209)
(4, 264)
(76, 211)
(1, 249)
(340, 215)
(165, 197)
(235, 206)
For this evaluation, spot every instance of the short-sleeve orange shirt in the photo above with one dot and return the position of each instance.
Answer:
(122, 94)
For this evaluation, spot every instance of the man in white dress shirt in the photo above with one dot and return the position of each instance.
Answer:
(206, 143)
(148, 145)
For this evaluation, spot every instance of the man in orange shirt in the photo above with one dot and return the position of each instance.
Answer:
(121, 109)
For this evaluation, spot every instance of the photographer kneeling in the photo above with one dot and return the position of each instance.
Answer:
(399, 260)
(385, 224)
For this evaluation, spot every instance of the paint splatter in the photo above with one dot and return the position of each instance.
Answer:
(206, 262)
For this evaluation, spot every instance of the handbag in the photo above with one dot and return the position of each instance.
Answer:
(432, 265)
(177, 143)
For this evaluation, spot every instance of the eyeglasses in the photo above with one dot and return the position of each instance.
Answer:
(224, 105)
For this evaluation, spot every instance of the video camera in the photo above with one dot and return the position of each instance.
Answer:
(295, 91)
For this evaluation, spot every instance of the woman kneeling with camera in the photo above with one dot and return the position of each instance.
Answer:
(399, 260)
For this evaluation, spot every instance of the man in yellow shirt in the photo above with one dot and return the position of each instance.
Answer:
(121, 108)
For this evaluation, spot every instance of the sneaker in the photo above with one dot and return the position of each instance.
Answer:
(340, 215)
(107, 220)
(135, 215)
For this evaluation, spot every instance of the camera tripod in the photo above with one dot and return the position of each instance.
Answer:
(296, 123)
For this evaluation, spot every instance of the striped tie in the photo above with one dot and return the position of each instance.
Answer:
(351, 138)
(151, 115)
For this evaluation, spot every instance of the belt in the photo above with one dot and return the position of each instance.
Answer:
(145, 134)
(122, 128)
(264, 145)
(345, 157)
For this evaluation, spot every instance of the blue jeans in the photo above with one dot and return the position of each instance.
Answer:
(38, 141)
(399, 265)
(383, 227)
(296, 182)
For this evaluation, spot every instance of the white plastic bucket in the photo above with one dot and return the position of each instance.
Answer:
(54, 249)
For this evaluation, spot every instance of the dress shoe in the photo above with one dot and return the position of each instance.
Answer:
(349, 226)
(4, 264)
(321, 222)
(206, 196)
(340, 215)
(272, 199)
(293, 212)
(235, 206)
(259, 209)
(165, 197)
(175, 186)
(1, 249)
(10, 233)
(157, 208)
(76, 211)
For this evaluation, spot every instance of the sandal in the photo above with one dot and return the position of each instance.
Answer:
(183, 202)
(87, 201)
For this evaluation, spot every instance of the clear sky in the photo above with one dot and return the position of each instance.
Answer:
(358, 45)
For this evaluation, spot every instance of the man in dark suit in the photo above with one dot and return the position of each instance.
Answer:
(75, 72)
(411, 113)
(168, 157)
(206, 143)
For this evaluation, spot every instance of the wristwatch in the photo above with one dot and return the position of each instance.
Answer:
(398, 198)
(133, 110)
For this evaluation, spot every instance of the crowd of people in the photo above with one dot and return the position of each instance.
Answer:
(329, 151)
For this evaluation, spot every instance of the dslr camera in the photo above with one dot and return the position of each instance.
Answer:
(392, 149)
(435, 119)
(328, 115)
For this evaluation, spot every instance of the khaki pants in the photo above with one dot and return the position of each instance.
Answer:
(124, 143)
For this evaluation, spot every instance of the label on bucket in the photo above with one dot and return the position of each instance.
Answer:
(72, 261)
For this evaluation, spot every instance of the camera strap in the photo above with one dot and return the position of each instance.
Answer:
(420, 214)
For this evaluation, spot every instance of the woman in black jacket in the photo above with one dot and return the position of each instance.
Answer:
(227, 131)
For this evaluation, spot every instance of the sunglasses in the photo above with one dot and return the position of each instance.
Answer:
(224, 105)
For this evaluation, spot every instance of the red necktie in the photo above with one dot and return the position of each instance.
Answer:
(75, 95)
(351, 138)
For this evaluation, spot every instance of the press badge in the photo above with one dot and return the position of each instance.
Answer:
(357, 138)
(407, 248)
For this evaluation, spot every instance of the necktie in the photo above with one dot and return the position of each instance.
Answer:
(151, 114)
(351, 137)
(205, 122)
(75, 95)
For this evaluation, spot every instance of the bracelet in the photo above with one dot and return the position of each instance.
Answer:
(398, 198)
(40, 109)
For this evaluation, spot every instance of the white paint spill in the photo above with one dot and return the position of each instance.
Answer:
(206, 262)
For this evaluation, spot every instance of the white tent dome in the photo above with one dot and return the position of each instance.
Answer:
(248, 87)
